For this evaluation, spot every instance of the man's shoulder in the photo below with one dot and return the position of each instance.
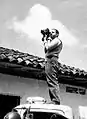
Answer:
(58, 40)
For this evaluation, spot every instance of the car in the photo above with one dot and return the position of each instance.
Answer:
(38, 108)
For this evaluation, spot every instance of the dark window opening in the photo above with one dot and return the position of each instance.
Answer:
(7, 102)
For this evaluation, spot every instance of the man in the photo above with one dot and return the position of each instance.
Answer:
(52, 48)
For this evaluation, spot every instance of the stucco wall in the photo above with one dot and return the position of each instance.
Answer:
(25, 87)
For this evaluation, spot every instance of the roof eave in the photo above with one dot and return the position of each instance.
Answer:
(36, 73)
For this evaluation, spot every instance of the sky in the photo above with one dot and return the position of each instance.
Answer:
(22, 20)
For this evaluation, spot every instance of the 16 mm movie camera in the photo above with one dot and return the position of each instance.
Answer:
(45, 32)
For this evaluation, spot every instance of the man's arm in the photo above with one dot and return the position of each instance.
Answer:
(50, 44)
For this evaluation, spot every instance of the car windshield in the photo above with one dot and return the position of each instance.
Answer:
(42, 115)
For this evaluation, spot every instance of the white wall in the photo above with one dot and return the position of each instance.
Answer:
(73, 100)
(23, 87)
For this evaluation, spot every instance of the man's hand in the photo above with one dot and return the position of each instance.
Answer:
(44, 38)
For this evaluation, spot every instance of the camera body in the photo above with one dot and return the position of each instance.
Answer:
(45, 32)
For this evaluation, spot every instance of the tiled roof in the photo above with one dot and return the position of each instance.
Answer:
(25, 59)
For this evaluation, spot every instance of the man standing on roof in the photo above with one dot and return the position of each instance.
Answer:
(52, 48)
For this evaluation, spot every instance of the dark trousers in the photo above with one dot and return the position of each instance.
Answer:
(51, 71)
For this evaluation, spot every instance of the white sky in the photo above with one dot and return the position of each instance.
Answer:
(39, 17)
(21, 22)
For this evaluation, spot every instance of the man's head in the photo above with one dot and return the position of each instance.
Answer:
(54, 33)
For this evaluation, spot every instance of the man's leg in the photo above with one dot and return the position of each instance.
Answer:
(52, 81)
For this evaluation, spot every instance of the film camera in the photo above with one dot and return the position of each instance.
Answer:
(45, 32)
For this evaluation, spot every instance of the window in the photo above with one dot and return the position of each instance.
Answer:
(76, 90)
